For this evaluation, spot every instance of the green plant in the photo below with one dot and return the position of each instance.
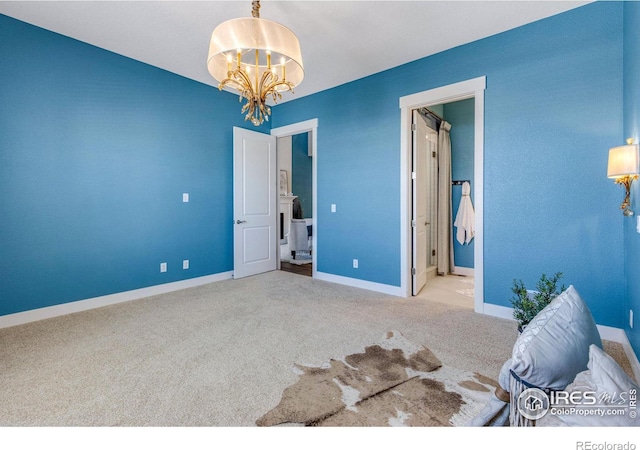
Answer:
(526, 305)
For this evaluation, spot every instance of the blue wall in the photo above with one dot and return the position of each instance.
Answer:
(461, 117)
(301, 173)
(631, 129)
(95, 153)
(553, 106)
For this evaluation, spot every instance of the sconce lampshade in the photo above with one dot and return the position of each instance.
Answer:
(623, 161)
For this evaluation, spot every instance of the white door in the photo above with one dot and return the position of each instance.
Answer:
(419, 222)
(254, 203)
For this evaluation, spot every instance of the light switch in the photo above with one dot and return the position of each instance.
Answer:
(638, 224)
(333, 207)
(185, 197)
(185, 264)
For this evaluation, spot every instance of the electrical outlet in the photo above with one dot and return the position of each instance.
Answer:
(185, 264)
(163, 267)
(355, 263)
(631, 318)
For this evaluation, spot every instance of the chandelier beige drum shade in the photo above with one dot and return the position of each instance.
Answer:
(258, 58)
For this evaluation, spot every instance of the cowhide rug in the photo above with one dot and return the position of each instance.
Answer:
(393, 383)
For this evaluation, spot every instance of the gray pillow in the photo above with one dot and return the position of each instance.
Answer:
(554, 347)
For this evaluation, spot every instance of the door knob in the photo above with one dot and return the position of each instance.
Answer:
(240, 221)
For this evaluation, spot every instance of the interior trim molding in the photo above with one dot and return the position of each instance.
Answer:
(445, 94)
(295, 128)
(502, 312)
(49, 312)
(464, 271)
(472, 88)
(362, 284)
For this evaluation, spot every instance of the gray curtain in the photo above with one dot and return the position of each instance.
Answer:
(445, 234)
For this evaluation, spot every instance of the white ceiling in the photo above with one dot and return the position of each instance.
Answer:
(341, 41)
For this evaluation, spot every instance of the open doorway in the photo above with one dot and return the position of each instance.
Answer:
(446, 95)
(296, 203)
(443, 180)
(297, 210)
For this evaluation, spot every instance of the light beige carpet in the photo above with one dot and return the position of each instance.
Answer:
(391, 383)
(219, 354)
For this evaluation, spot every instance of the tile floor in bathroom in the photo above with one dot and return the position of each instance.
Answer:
(451, 289)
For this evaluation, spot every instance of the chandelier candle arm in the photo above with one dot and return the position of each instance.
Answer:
(284, 68)
(257, 65)
(260, 38)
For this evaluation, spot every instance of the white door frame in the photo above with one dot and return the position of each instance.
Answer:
(311, 126)
(473, 88)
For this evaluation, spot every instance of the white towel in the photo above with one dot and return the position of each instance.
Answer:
(466, 217)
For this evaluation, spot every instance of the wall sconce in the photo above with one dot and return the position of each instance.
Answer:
(624, 167)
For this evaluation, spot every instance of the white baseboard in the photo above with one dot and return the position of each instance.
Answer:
(464, 271)
(354, 282)
(48, 312)
(502, 312)
(611, 334)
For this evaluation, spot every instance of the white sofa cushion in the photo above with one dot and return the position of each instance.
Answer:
(554, 347)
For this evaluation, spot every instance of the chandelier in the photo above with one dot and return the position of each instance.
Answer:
(258, 58)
